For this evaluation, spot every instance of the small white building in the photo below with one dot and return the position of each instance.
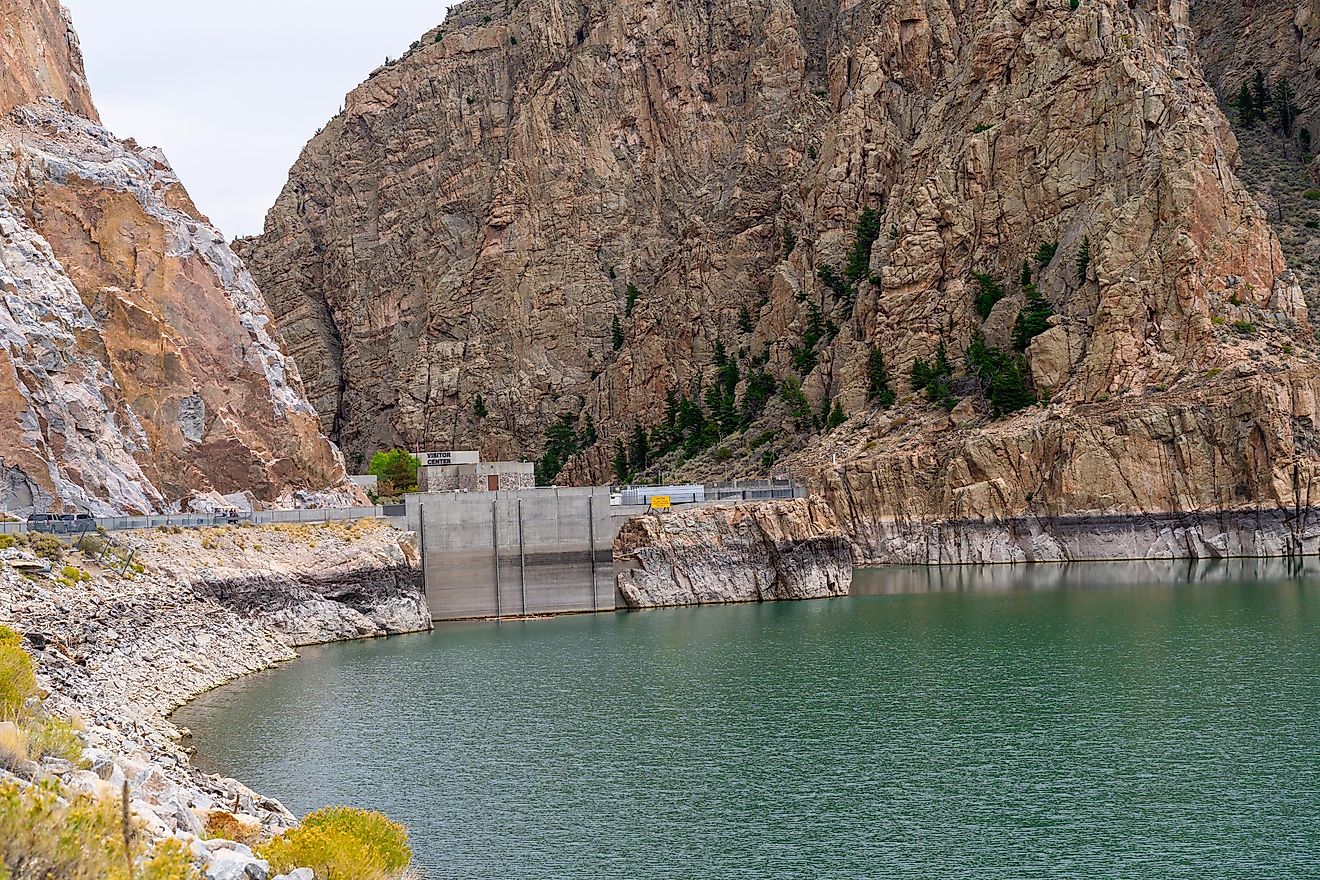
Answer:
(466, 472)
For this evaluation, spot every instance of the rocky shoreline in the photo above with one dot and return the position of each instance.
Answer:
(124, 633)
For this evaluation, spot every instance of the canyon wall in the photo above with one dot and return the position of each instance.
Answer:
(1280, 38)
(139, 367)
(585, 211)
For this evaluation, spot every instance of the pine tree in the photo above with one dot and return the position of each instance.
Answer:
(1261, 93)
(745, 323)
(1285, 108)
(479, 408)
(991, 292)
(1045, 254)
(837, 417)
(1033, 320)
(1304, 139)
(1026, 274)
(620, 461)
(633, 295)
(639, 453)
(616, 333)
(1246, 107)
(878, 390)
(589, 436)
(790, 240)
(1083, 260)
(859, 255)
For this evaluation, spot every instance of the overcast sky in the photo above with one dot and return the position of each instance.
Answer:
(232, 91)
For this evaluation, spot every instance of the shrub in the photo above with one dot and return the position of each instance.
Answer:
(990, 292)
(227, 827)
(1312, 195)
(44, 836)
(17, 682)
(15, 745)
(54, 738)
(479, 407)
(170, 861)
(836, 417)
(342, 844)
(390, 839)
(1246, 328)
(982, 127)
(9, 638)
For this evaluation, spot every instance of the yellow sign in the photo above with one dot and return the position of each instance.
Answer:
(661, 502)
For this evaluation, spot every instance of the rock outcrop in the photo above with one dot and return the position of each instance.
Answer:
(763, 552)
(139, 367)
(471, 223)
(40, 58)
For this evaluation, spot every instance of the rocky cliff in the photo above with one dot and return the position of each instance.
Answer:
(1280, 38)
(723, 555)
(741, 227)
(139, 368)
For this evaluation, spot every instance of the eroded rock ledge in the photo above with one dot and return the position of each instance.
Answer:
(723, 555)
(121, 649)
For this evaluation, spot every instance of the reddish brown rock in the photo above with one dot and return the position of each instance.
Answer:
(139, 368)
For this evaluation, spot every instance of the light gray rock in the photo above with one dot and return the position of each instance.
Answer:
(237, 863)
(722, 555)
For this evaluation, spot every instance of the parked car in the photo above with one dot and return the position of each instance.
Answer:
(41, 522)
(75, 524)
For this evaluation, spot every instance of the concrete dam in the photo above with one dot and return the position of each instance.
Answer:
(535, 552)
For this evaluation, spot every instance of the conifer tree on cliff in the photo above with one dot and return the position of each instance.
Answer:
(1246, 107)
(1285, 108)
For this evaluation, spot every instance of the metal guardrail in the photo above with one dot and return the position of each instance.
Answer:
(739, 490)
(205, 521)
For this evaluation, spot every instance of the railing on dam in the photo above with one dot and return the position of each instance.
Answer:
(60, 526)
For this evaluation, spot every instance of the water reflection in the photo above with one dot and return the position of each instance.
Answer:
(1043, 578)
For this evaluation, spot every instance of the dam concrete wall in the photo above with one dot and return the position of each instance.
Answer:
(517, 554)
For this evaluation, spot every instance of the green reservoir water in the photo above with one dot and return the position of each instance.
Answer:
(1089, 721)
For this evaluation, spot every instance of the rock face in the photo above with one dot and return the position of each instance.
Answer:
(40, 58)
(722, 555)
(470, 225)
(1281, 38)
(139, 368)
